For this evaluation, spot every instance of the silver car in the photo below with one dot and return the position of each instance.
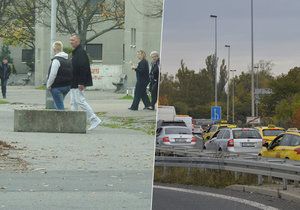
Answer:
(238, 140)
(175, 136)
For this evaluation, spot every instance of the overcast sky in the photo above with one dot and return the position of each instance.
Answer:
(189, 33)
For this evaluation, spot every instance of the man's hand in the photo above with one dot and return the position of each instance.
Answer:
(81, 87)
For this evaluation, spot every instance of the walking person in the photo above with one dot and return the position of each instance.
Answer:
(5, 71)
(142, 77)
(59, 76)
(82, 78)
(154, 77)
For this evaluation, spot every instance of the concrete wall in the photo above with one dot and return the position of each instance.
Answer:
(105, 75)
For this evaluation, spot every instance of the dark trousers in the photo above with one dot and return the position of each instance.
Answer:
(154, 92)
(140, 93)
(3, 87)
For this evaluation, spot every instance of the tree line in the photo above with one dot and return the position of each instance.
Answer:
(192, 93)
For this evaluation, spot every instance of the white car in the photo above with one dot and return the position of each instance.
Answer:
(237, 140)
(175, 136)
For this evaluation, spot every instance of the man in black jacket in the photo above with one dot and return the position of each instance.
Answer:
(154, 77)
(5, 72)
(82, 78)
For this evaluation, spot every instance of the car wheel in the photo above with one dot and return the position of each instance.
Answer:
(287, 158)
(259, 154)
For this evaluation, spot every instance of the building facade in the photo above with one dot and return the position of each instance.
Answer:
(112, 52)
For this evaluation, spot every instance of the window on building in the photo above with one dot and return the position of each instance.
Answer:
(27, 55)
(133, 36)
(95, 51)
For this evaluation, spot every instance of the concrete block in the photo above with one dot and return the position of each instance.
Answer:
(49, 121)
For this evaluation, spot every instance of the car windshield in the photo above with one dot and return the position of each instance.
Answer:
(272, 132)
(214, 128)
(246, 134)
(177, 131)
(174, 123)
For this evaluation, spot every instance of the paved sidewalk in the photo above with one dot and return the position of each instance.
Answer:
(108, 168)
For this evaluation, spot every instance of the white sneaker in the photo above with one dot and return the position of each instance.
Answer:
(94, 124)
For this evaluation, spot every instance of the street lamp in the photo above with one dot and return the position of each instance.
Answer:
(215, 59)
(233, 94)
(49, 99)
(257, 86)
(252, 64)
(228, 72)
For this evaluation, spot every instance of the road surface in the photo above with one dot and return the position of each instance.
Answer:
(197, 198)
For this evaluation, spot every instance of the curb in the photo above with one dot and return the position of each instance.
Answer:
(277, 193)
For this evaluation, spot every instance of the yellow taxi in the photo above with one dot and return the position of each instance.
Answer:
(215, 127)
(286, 145)
(270, 132)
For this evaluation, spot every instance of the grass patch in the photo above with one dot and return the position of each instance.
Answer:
(101, 114)
(3, 101)
(42, 87)
(127, 97)
(202, 177)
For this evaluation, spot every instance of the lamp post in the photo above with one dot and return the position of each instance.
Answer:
(257, 86)
(233, 94)
(228, 72)
(215, 58)
(49, 99)
(252, 64)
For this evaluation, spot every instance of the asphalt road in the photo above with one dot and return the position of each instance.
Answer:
(192, 198)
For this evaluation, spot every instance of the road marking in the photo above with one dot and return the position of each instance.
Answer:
(239, 200)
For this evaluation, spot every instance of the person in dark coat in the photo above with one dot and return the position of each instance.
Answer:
(142, 77)
(5, 71)
(154, 78)
(82, 78)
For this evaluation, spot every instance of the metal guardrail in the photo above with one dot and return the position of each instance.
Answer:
(285, 170)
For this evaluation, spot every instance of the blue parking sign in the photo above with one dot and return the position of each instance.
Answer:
(216, 113)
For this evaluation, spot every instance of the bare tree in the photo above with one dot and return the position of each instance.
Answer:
(18, 27)
(155, 8)
(88, 18)
(3, 6)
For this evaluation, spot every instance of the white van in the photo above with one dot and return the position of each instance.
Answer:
(166, 113)
(187, 119)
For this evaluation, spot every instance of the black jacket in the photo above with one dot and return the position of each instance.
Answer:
(81, 68)
(142, 72)
(7, 73)
(154, 73)
(64, 74)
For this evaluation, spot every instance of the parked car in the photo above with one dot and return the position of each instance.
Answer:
(214, 128)
(185, 118)
(292, 130)
(270, 132)
(286, 145)
(197, 127)
(175, 136)
(239, 140)
(163, 123)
